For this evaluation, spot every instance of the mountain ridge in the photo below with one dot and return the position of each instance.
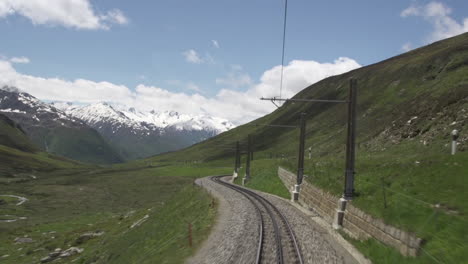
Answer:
(53, 130)
(427, 86)
(137, 134)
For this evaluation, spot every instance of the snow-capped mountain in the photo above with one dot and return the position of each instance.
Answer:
(21, 105)
(139, 120)
(53, 130)
(138, 134)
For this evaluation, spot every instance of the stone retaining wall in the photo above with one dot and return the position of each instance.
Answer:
(355, 222)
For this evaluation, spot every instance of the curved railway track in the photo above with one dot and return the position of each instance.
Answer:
(276, 240)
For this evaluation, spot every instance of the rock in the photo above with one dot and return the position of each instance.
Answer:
(59, 253)
(23, 240)
(70, 252)
(46, 259)
(139, 222)
(56, 253)
(87, 236)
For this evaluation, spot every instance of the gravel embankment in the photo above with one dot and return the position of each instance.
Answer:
(317, 246)
(235, 234)
(234, 237)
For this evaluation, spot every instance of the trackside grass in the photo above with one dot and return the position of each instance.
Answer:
(63, 204)
(424, 194)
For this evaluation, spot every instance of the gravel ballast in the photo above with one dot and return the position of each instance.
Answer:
(235, 235)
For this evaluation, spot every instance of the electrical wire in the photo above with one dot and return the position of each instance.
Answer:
(284, 44)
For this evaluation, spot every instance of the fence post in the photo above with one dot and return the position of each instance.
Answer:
(190, 234)
(383, 192)
(454, 141)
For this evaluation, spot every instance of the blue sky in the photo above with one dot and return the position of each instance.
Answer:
(213, 49)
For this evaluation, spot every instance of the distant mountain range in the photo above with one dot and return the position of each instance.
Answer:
(105, 133)
(137, 134)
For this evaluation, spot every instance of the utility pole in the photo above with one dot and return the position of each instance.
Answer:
(237, 162)
(251, 148)
(350, 141)
(247, 166)
(300, 162)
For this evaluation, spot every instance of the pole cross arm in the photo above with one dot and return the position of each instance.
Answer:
(272, 125)
(305, 100)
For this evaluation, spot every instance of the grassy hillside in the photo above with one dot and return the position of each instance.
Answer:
(407, 107)
(84, 144)
(65, 199)
(52, 131)
(66, 203)
(20, 159)
(428, 86)
(11, 135)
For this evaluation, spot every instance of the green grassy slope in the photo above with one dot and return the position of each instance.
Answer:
(407, 106)
(83, 144)
(429, 83)
(64, 204)
(78, 143)
(66, 199)
(11, 135)
(20, 158)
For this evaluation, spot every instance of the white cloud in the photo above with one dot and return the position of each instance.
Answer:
(410, 11)
(407, 47)
(57, 89)
(236, 106)
(77, 14)
(299, 74)
(193, 87)
(192, 56)
(235, 78)
(438, 15)
(115, 16)
(23, 60)
(215, 43)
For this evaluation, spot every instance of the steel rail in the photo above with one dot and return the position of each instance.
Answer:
(285, 221)
(266, 204)
(261, 229)
(279, 251)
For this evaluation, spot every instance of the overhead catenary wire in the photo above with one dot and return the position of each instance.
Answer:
(284, 44)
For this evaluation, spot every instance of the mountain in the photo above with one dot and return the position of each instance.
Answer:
(13, 136)
(138, 134)
(53, 130)
(415, 98)
(407, 107)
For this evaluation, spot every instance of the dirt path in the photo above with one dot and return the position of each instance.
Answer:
(21, 200)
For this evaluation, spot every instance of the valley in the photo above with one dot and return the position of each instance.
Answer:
(103, 183)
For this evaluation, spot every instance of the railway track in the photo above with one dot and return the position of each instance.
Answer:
(276, 240)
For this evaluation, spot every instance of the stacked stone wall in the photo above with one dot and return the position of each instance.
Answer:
(356, 223)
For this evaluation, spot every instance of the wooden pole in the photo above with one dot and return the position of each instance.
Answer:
(190, 234)
(383, 192)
